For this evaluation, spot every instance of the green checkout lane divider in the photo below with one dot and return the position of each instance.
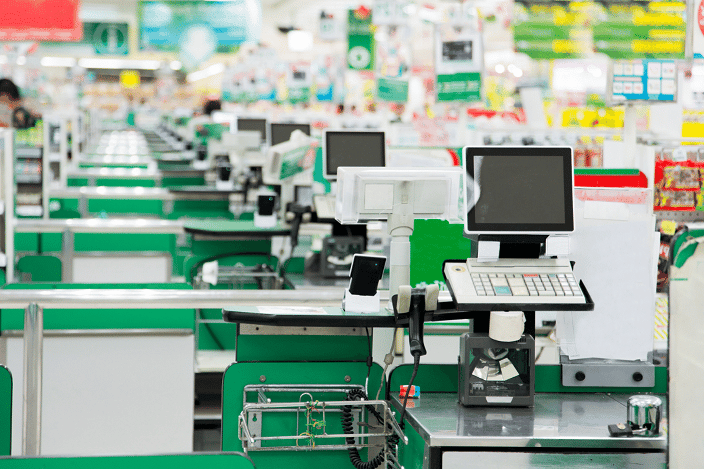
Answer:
(13, 319)
(238, 375)
(177, 461)
(5, 411)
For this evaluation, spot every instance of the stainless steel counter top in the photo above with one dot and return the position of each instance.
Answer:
(556, 421)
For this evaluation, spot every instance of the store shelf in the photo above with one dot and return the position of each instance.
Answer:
(679, 216)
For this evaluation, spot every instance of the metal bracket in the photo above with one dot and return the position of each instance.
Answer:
(607, 373)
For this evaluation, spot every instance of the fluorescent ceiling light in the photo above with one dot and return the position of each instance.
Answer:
(58, 62)
(21, 60)
(205, 73)
(120, 64)
(176, 65)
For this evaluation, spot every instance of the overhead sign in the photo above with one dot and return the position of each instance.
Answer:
(640, 28)
(360, 39)
(458, 63)
(40, 20)
(644, 80)
(555, 29)
(108, 38)
(218, 25)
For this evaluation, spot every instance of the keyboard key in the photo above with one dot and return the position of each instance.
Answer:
(560, 293)
(531, 276)
(502, 290)
(481, 293)
(568, 293)
(516, 282)
(499, 282)
(546, 293)
(519, 291)
(489, 292)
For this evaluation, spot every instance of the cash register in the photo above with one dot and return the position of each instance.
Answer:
(519, 206)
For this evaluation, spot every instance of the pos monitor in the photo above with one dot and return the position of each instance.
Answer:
(281, 132)
(519, 190)
(258, 125)
(350, 148)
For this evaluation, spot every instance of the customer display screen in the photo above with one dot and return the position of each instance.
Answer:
(350, 148)
(258, 125)
(519, 189)
(282, 132)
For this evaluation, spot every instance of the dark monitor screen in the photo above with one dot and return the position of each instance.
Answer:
(350, 148)
(282, 132)
(253, 124)
(519, 190)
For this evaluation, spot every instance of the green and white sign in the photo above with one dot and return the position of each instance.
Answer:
(108, 38)
(98, 38)
(360, 39)
(393, 90)
(460, 87)
(296, 161)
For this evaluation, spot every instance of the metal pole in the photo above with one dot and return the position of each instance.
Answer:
(32, 402)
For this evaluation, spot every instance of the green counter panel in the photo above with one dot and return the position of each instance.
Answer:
(411, 455)
(239, 375)
(186, 461)
(5, 411)
(432, 242)
(201, 209)
(178, 181)
(87, 242)
(293, 348)
(134, 207)
(13, 319)
(77, 182)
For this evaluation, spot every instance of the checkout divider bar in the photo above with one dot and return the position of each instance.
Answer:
(34, 302)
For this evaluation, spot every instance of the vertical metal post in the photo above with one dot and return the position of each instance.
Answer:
(32, 398)
(67, 252)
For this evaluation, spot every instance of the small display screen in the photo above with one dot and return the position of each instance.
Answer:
(519, 189)
(454, 51)
(282, 132)
(258, 125)
(351, 148)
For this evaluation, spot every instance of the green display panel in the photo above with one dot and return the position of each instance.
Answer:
(238, 375)
(5, 411)
(432, 242)
(186, 461)
(393, 90)
(13, 319)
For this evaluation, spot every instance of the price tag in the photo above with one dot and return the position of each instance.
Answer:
(668, 227)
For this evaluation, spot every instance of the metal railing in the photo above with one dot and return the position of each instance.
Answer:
(35, 301)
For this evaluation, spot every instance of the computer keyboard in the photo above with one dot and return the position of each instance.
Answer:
(513, 281)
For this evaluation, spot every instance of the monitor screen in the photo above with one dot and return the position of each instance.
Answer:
(258, 125)
(282, 132)
(519, 190)
(351, 148)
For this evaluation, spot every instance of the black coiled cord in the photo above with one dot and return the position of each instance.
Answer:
(348, 428)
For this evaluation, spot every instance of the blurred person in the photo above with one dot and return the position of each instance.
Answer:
(12, 112)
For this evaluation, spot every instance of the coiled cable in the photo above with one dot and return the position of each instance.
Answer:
(348, 428)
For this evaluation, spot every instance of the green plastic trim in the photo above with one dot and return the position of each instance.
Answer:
(5, 411)
(606, 171)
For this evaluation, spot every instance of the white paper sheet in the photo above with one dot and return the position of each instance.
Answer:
(616, 260)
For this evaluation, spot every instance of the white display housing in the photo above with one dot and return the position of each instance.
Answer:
(365, 194)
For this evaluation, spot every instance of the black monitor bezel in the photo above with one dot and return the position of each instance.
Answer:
(265, 134)
(472, 228)
(283, 124)
(326, 152)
